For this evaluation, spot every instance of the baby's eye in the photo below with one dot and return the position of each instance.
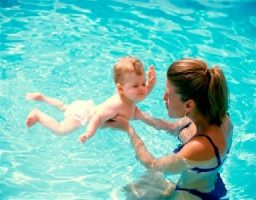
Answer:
(135, 86)
(144, 84)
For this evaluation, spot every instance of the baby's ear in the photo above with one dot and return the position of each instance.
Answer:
(119, 88)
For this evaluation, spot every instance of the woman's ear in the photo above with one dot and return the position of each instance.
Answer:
(189, 106)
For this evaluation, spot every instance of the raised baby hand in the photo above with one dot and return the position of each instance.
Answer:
(151, 78)
(34, 96)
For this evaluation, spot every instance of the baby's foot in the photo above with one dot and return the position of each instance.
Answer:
(34, 96)
(32, 118)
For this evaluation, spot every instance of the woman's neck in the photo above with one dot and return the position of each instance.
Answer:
(202, 124)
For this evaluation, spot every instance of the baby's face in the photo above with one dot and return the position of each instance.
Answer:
(134, 87)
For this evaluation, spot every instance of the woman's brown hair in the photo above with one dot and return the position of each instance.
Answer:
(192, 79)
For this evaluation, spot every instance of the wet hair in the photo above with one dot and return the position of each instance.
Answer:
(127, 65)
(193, 79)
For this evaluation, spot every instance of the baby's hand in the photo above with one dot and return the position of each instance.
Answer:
(34, 96)
(84, 137)
(151, 78)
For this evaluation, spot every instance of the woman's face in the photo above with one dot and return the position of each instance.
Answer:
(174, 105)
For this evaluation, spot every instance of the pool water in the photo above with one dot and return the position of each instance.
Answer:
(66, 49)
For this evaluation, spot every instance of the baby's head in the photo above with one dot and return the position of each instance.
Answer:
(127, 65)
(129, 77)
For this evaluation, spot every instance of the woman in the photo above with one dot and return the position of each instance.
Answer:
(198, 95)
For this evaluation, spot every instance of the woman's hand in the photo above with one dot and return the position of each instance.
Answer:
(119, 122)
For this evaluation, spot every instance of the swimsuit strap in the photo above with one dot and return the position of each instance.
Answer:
(216, 151)
(176, 150)
(182, 128)
(185, 126)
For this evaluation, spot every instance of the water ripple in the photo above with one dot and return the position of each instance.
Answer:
(67, 49)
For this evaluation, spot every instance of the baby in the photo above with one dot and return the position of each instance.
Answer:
(131, 85)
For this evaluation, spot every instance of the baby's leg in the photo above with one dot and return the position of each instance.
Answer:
(59, 128)
(51, 101)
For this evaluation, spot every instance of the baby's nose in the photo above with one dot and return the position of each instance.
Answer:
(142, 87)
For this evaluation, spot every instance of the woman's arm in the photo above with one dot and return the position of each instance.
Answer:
(170, 163)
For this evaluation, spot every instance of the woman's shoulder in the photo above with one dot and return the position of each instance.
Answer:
(197, 149)
(203, 147)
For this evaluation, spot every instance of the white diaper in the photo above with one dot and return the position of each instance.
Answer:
(80, 110)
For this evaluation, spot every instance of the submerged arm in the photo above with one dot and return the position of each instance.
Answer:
(170, 163)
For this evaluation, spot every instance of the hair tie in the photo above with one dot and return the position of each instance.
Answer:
(208, 73)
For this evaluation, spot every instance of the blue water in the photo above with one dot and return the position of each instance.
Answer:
(66, 49)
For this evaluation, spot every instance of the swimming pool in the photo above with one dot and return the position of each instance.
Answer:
(66, 49)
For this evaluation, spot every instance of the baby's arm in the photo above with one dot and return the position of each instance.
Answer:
(151, 78)
(156, 123)
(97, 120)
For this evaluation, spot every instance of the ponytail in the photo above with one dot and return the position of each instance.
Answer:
(218, 95)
